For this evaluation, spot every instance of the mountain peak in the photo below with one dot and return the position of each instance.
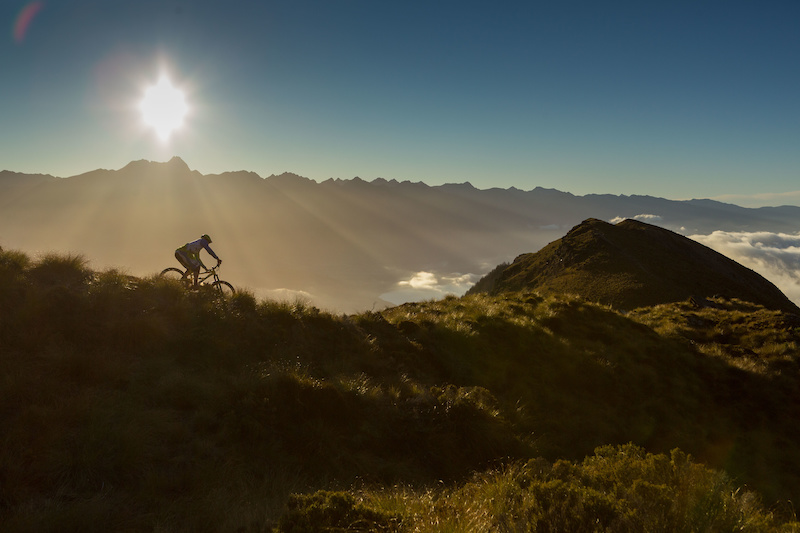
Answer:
(288, 179)
(466, 186)
(176, 164)
(632, 264)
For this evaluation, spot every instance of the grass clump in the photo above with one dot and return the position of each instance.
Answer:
(13, 262)
(333, 511)
(70, 270)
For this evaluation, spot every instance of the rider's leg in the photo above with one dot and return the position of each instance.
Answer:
(184, 261)
(195, 267)
(191, 262)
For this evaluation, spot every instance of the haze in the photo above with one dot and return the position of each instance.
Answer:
(349, 245)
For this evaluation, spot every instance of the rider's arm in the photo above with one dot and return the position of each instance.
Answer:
(211, 252)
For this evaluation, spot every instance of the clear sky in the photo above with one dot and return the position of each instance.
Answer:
(675, 99)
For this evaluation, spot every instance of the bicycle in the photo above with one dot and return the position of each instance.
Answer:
(185, 278)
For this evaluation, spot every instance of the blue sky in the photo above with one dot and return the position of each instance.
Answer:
(667, 98)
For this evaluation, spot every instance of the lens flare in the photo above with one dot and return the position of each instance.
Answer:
(24, 20)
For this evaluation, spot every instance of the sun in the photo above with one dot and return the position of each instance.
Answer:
(163, 108)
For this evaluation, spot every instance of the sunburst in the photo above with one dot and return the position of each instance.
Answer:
(163, 108)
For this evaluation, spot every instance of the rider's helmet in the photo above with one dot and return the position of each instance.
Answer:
(206, 237)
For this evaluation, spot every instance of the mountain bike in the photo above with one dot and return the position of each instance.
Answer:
(223, 288)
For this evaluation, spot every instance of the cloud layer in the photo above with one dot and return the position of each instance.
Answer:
(283, 295)
(425, 285)
(776, 256)
(644, 217)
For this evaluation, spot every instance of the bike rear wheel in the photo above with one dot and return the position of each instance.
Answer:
(176, 274)
(223, 288)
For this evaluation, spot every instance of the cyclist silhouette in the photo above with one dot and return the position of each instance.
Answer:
(189, 255)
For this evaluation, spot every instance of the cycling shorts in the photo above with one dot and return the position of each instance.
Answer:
(190, 261)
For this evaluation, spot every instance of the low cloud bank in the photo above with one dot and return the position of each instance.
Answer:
(776, 256)
(425, 285)
(644, 217)
(283, 295)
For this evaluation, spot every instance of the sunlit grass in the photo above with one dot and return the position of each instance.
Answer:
(742, 334)
(616, 489)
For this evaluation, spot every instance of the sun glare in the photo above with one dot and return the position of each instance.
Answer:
(163, 108)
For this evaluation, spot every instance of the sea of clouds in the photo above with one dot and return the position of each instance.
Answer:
(776, 256)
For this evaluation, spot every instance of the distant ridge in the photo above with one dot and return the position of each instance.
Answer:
(345, 243)
(632, 264)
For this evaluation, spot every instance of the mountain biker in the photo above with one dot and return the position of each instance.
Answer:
(189, 255)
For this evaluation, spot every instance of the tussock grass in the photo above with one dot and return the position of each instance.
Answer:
(132, 404)
(71, 270)
(574, 375)
(619, 489)
(740, 333)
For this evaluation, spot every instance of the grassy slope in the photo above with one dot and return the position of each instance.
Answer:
(130, 404)
(721, 384)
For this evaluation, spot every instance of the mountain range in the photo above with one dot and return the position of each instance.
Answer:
(342, 244)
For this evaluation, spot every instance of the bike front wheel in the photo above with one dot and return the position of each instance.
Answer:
(223, 288)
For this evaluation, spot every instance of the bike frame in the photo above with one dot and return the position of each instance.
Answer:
(207, 273)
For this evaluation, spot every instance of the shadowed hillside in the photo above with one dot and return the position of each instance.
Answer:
(130, 404)
(629, 265)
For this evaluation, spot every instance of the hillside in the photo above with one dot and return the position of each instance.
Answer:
(342, 244)
(129, 404)
(632, 264)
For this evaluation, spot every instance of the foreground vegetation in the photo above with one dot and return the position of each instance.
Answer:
(132, 405)
(619, 489)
